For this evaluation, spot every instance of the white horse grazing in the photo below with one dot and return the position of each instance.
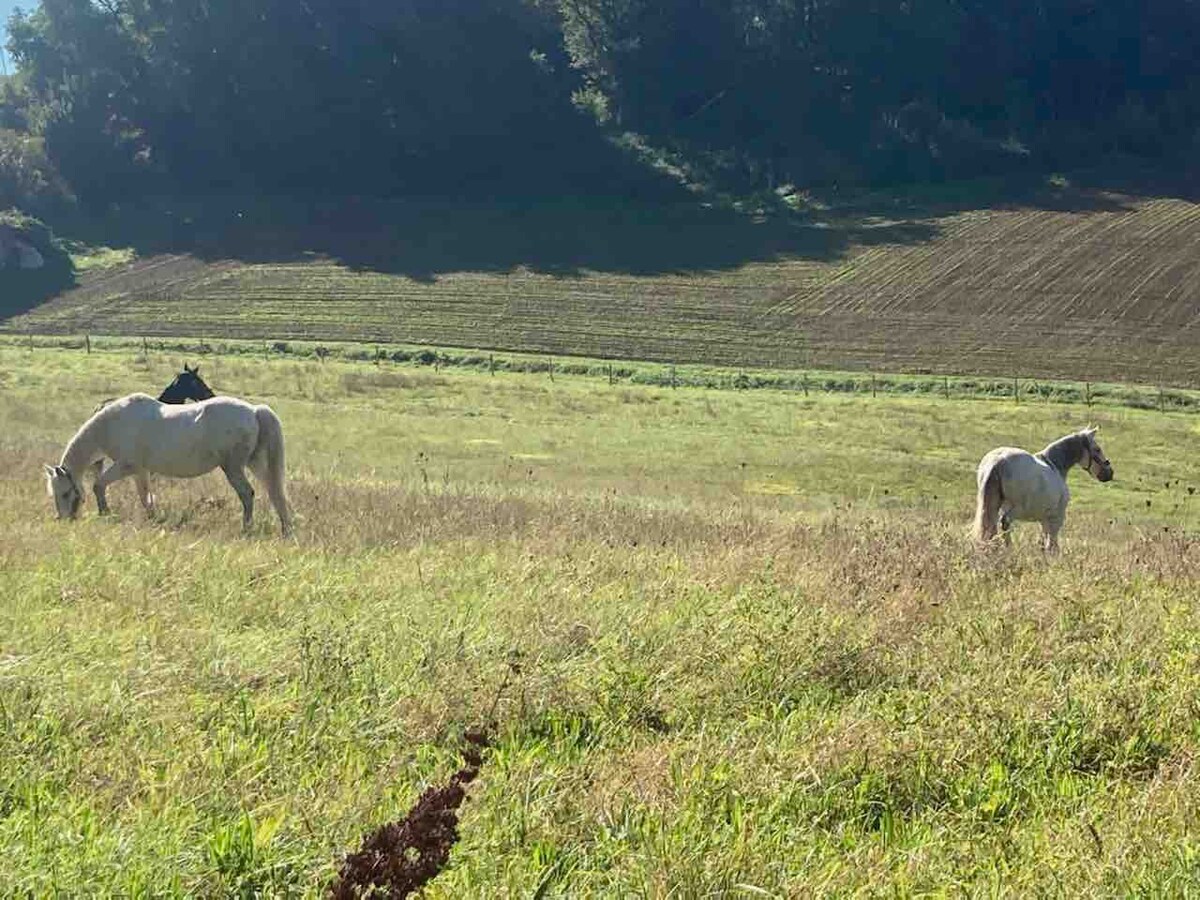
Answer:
(1015, 485)
(144, 437)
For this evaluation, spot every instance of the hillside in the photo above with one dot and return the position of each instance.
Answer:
(1073, 284)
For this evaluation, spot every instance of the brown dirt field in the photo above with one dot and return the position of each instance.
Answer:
(1107, 291)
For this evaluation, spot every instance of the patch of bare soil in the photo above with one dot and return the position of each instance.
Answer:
(400, 857)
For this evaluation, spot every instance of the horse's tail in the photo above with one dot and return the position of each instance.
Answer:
(267, 461)
(987, 504)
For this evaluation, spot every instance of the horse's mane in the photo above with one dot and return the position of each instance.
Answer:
(1066, 451)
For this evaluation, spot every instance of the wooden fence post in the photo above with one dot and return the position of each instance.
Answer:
(610, 374)
(946, 386)
(873, 393)
(1016, 391)
(87, 342)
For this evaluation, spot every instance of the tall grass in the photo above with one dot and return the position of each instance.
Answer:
(735, 643)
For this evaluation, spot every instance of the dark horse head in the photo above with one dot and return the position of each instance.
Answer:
(188, 385)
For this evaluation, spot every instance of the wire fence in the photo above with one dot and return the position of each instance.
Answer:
(1015, 389)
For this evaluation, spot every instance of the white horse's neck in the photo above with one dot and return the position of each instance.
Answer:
(1065, 452)
(81, 449)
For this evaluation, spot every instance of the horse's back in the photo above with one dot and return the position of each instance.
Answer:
(214, 406)
(122, 405)
(179, 440)
(1005, 455)
(143, 405)
(134, 399)
(1031, 486)
(142, 410)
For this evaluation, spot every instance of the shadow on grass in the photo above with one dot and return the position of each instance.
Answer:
(22, 289)
(648, 226)
(1113, 187)
(425, 238)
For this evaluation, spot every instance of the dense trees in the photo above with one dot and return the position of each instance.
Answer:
(895, 89)
(279, 95)
(452, 96)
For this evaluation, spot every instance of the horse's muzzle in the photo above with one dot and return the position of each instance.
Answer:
(1106, 474)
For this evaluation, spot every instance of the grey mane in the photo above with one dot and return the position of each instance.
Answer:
(1065, 452)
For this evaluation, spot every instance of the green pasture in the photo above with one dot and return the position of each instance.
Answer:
(729, 643)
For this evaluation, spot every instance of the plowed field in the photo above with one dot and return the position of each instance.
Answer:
(1106, 292)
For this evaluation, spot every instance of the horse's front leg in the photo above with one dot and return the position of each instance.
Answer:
(240, 483)
(1050, 529)
(147, 498)
(115, 472)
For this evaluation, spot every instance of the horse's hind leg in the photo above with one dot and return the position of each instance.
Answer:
(115, 472)
(240, 483)
(1006, 526)
(261, 470)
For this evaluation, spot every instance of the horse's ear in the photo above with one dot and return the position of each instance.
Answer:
(1092, 429)
(50, 470)
(189, 369)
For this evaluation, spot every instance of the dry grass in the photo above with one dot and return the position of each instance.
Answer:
(703, 690)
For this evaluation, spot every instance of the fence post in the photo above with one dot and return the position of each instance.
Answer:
(873, 394)
(1087, 394)
(30, 334)
(87, 342)
(1016, 391)
(1160, 398)
(491, 364)
(610, 374)
(672, 375)
(145, 348)
(804, 382)
(551, 368)
(946, 386)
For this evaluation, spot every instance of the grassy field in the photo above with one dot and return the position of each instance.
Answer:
(1061, 282)
(735, 643)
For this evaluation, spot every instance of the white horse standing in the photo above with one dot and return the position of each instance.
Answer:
(144, 437)
(1016, 485)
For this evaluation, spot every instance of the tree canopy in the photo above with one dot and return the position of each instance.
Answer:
(122, 97)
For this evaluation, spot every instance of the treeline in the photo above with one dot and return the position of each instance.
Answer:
(116, 98)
